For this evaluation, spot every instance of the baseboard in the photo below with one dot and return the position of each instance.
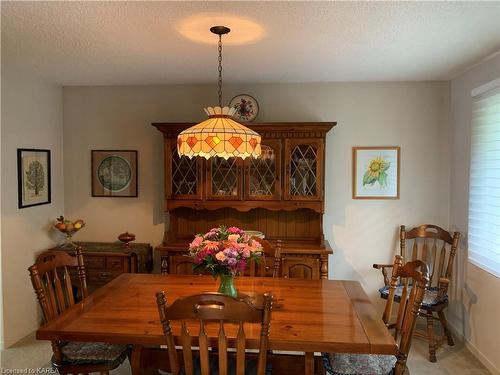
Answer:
(475, 351)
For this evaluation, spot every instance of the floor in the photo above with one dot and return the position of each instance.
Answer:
(457, 360)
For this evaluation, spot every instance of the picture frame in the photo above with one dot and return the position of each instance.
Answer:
(114, 173)
(375, 172)
(33, 177)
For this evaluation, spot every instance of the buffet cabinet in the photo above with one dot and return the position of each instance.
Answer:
(105, 261)
(281, 194)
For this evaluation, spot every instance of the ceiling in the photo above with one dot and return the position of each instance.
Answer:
(121, 43)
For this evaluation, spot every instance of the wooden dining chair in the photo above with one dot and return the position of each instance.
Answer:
(262, 269)
(220, 311)
(437, 248)
(51, 279)
(414, 279)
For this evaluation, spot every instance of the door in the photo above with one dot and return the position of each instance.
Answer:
(224, 179)
(263, 174)
(304, 169)
(301, 268)
(185, 175)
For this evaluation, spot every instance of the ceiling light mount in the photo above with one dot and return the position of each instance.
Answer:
(220, 30)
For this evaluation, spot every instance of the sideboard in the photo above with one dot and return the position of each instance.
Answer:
(280, 194)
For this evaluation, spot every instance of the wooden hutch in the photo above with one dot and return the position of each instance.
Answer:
(280, 194)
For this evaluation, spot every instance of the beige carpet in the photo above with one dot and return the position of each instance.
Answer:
(457, 360)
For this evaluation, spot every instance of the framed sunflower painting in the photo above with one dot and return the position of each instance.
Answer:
(375, 172)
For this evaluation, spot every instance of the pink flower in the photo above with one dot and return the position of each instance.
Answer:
(198, 240)
(255, 246)
(246, 252)
(235, 230)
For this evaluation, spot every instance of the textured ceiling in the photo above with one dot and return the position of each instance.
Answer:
(110, 43)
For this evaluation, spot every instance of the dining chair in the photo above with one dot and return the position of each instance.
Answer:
(437, 248)
(225, 314)
(414, 279)
(51, 279)
(262, 269)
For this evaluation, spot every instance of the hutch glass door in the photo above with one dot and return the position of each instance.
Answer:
(262, 177)
(186, 177)
(224, 178)
(304, 163)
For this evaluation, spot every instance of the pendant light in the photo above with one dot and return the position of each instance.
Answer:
(220, 135)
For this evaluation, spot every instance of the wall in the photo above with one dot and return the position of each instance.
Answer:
(477, 316)
(411, 115)
(31, 118)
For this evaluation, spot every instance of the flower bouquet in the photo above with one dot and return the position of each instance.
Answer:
(225, 252)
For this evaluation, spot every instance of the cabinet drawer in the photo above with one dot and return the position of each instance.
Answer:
(115, 263)
(94, 262)
(101, 277)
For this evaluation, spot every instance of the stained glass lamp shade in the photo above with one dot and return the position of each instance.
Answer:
(219, 136)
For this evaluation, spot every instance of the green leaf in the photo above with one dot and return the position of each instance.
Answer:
(368, 179)
(386, 166)
(382, 179)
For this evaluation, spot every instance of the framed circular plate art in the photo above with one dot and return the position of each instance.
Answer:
(246, 107)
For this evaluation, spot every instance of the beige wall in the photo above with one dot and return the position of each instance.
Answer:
(411, 115)
(31, 118)
(477, 316)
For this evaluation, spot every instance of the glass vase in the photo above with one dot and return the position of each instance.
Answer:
(227, 286)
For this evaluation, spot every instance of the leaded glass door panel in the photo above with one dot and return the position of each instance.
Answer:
(224, 178)
(263, 174)
(304, 160)
(186, 176)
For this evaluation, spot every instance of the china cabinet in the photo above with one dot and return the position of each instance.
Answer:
(281, 194)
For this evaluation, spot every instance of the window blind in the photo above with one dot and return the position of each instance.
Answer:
(484, 184)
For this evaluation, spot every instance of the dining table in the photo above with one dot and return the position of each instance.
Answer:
(308, 316)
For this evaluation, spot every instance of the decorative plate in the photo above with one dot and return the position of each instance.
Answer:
(246, 107)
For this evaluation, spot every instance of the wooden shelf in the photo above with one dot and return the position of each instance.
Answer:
(244, 206)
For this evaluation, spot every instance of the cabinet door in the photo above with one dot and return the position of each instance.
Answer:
(224, 179)
(301, 268)
(304, 169)
(263, 174)
(183, 176)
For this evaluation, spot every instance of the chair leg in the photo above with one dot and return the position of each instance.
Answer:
(432, 340)
(446, 330)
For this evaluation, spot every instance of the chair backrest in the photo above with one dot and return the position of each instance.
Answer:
(220, 310)
(52, 282)
(414, 278)
(262, 269)
(433, 245)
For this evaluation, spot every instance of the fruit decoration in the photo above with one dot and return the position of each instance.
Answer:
(69, 228)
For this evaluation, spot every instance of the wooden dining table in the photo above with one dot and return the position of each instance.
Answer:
(308, 315)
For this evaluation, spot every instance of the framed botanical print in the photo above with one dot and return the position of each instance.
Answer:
(114, 173)
(33, 177)
(375, 172)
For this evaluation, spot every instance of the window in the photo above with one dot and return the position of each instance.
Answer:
(484, 188)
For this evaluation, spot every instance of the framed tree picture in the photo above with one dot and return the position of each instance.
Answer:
(375, 172)
(114, 173)
(33, 177)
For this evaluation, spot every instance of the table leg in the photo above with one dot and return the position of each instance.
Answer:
(309, 358)
(135, 360)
